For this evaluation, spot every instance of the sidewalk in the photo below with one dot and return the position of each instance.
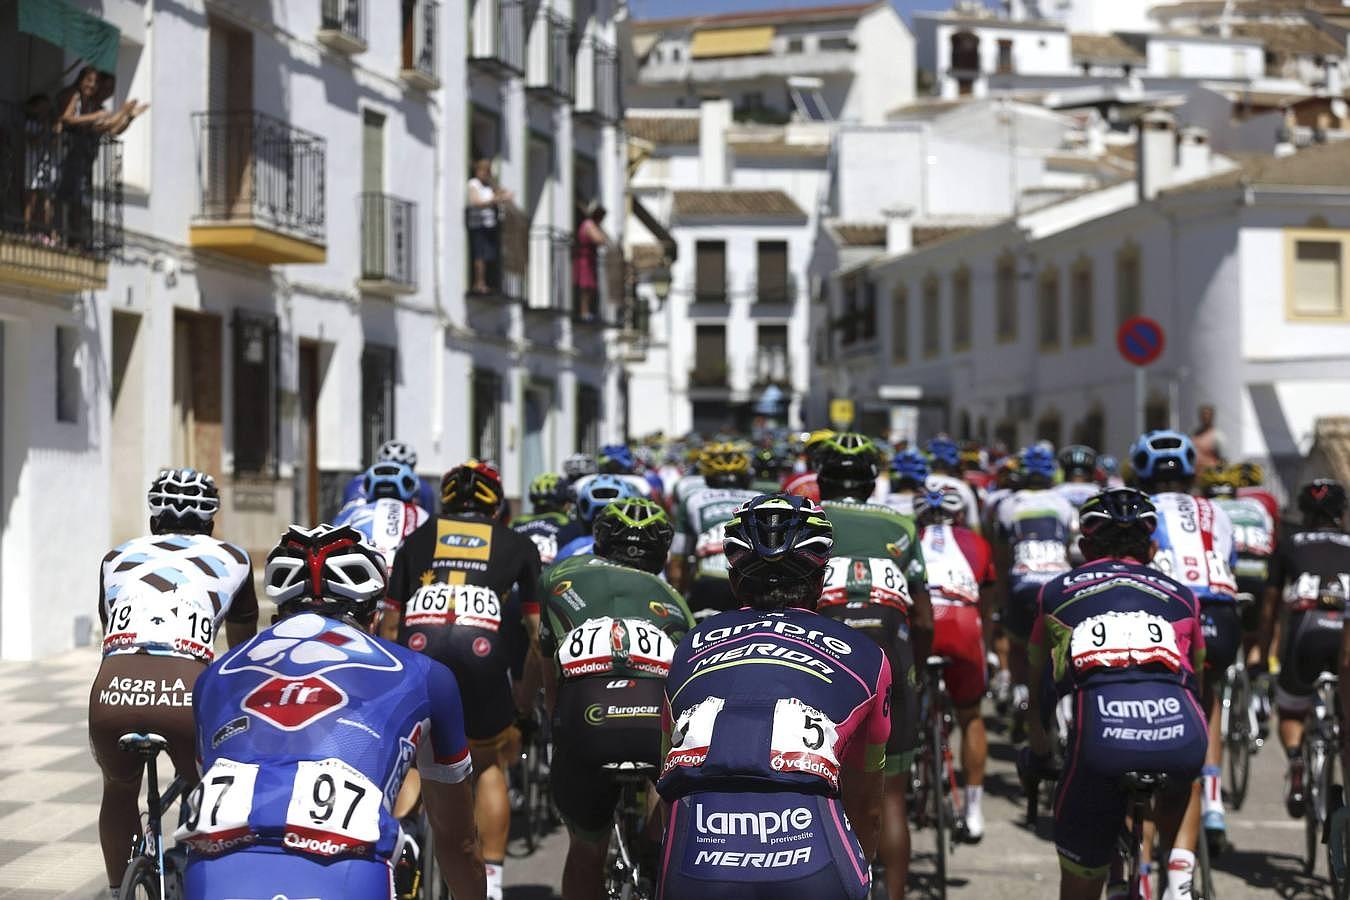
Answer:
(49, 785)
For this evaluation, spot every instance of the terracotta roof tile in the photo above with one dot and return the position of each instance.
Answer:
(756, 17)
(736, 204)
(663, 129)
(1105, 48)
(927, 235)
(1326, 166)
(779, 148)
(860, 234)
(1303, 40)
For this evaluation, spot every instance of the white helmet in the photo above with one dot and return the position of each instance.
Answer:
(329, 570)
(397, 451)
(184, 494)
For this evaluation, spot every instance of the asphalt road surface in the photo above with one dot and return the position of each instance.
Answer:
(1014, 861)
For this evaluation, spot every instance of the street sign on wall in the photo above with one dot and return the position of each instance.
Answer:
(1140, 340)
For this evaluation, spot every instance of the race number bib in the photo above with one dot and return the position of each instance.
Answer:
(1253, 540)
(873, 580)
(547, 545)
(334, 811)
(1309, 590)
(1118, 640)
(462, 604)
(1040, 557)
(218, 809)
(597, 645)
(692, 735)
(180, 621)
(709, 551)
(803, 740)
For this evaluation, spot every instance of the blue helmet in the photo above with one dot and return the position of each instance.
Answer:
(945, 453)
(390, 479)
(1038, 461)
(909, 465)
(616, 459)
(599, 492)
(1162, 455)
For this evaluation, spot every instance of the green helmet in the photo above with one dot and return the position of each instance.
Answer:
(634, 532)
(847, 466)
(548, 492)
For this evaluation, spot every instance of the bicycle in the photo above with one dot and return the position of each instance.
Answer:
(1239, 729)
(625, 878)
(936, 793)
(152, 873)
(1320, 747)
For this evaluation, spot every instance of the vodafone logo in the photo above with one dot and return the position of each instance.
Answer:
(294, 703)
(417, 642)
(481, 646)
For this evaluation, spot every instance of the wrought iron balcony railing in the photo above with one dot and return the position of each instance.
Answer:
(597, 82)
(497, 36)
(421, 57)
(550, 269)
(342, 25)
(550, 55)
(388, 242)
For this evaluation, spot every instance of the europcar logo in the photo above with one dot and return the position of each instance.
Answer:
(658, 608)
(562, 588)
(595, 714)
(463, 541)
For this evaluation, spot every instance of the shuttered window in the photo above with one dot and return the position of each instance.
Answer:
(710, 272)
(772, 272)
(486, 412)
(379, 375)
(256, 423)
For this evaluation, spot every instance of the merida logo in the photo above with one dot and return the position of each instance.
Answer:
(1148, 710)
(759, 824)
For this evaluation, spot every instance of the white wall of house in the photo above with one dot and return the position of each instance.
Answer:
(1173, 56)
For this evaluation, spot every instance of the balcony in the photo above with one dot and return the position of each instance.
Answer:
(419, 67)
(342, 26)
(774, 299)
(497, 37)
(58, 235)
(506, 271)
(549, 70)
(597, 86)
(708, 380)
(550, 270)
(612, 285)
(388, 245)
(260, 187)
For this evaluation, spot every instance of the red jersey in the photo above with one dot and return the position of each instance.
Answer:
(959, 563)
(802, 485)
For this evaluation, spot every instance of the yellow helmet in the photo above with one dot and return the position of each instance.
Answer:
(726, 461)
(1249, 474)
(817, 437)
(1219, 481)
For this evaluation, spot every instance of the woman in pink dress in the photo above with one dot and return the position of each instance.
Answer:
(585, 260)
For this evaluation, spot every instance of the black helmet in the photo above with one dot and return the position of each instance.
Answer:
(472, 487)
(1322, 499)
(328, 570)
(634, 532)
(1118, 519)
(777, 546)
(847, 466)
(1077, 459)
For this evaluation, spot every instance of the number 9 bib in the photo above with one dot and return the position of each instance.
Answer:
(1118, 640)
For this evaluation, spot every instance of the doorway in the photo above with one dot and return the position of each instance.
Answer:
(307, 443)
(127, 488)
(534, 451)
(197, 431)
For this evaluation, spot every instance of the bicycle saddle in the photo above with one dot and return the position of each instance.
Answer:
(635, 770)
(1148, 782)
(145, 744)
(938, 662)
(1328, 679)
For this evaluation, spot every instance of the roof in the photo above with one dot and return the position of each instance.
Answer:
(925, 109)
(736, 204)
(1242, 7)
(759, 17)
(927, 235)
(1331, 448)
(1104, 48)
(1299, 40)
(663, 129)
(780, 148)
(951, 17)
(647, 257)
(860, 234)
(1323, 166)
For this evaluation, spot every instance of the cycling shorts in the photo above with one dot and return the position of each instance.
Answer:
(1019, 615)
(795, 847)
(1222, 628)
(501, 747)
(709, 596)
(1250, 613)
(1311, 645)
(597, 721)
(481, 661)
(138, 692)
(958, 635)
(888, 627)
(1148, 726)
(265, 873)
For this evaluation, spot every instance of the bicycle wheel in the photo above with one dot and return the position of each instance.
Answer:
(1239, 750)
(1313, 765)
(1204, 875)
(141, 881)
(938, 801)
(430, 887)
(1338, 847)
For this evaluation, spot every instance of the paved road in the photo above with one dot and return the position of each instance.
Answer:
(49, 792)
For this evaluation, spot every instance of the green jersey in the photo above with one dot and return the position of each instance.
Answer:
(765, 486)
(700, 521)
(876, 558)
(1253, 538)
(603, 618)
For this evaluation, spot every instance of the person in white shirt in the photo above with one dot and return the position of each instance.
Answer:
(483, 198)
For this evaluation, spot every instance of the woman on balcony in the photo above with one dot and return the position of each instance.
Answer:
(585, 260)
(482, 220)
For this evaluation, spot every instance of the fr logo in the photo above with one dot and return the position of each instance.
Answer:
(295, 703)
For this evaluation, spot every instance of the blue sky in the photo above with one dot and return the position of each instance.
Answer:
(660, 9)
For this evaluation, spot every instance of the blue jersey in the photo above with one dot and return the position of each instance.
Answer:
(305, 734)
(385, 523)
(576, 547)
(356, 490)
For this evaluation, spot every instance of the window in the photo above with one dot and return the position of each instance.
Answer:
(848, 301)
(67, 374)
(834, 42)
(1048, 427)
(772, 272)
(1048, 310)
(965, 51)
(1005, 299)
(710, 272)
(378, 376)
(961, 310)
(900, 324)
(1316, 287)
(710, 356)
(867, 312)
(1005, 56)
(1127, 283)
(1174, 61)
(486, 440)
(931, 314)
(794, 45)
(1080, 302)
(1091, 431)
(1240, 63)
(772, 365)
(588, 419)
(255, 394)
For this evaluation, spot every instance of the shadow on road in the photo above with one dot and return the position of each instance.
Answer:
(1281, 873)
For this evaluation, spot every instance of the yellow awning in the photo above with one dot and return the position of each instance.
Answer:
(731, 42)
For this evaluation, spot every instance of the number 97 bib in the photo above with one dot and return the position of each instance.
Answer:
(1118, 640)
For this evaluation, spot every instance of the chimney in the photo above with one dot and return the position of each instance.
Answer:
(1094, 133)
(1193, 153)
(714, 119)
(1157, 153)
(899, 230)
(1285, 135)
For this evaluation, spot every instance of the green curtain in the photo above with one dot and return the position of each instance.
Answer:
(59, 22)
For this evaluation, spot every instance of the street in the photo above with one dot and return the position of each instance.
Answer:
(49, 794)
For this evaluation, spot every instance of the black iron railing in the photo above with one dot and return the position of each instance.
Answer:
(388, 239)
(59, 189)
(419, 39)
(497, 34)
(550, 68)
(345, 16)
(597, 84)
(252, 167)
(777, 291)
(550, 269)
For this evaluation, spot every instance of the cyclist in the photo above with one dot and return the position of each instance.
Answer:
(802, 483)
(769, 465)
(451, 594)
(1195, 547)
(1031, 547)
(306, 732)
(1108, 472)
(578, 466)
(618, 461)
(776, 721)
(1254, 539)
(548, 524)
(393, 452)
(386, 512)
(1125, 641)
(876, 583)
(594, 495)
(698, 565)
(1007, 481)
(610, 626)
(909, 471)
(162, 598)
(944, 464)
(1079, 465)
(1251, 479)
(961, 581)
(1310, 572)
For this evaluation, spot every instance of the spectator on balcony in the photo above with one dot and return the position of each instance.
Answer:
(39, 176)
(85, 121)
(586, 260)
(483, 219)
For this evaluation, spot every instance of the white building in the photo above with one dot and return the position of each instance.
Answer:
(273, 281)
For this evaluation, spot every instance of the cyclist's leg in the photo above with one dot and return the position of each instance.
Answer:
(894, 849)
(1018, 618)
(1312, 645)
(1223, 640)
(959, 637)
(491, 802)
(263, 873)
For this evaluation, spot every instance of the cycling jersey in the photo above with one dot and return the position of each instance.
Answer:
(1265, 498)
(959, 564)
(166, 594)
(699, 521)
(355, 491)
(1311, 570)
(305, 734)
(1254, 540)
(1035, 524)
(452, 579)
(1195, 545)
(581, 545)
(901, 503)
(941, 482)
(386, 523)
(802, 484)
(1076, 492)
(550, 532)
